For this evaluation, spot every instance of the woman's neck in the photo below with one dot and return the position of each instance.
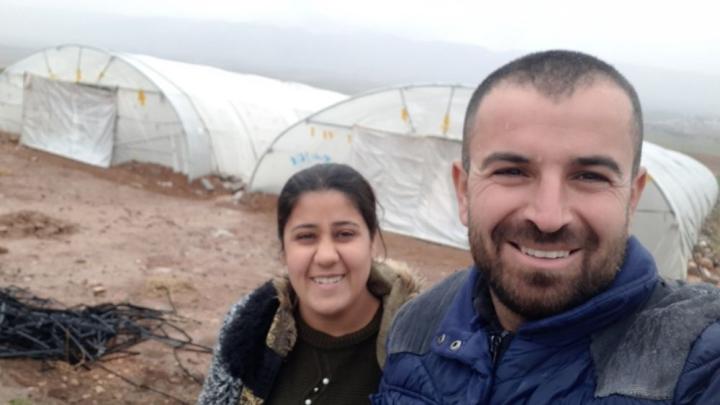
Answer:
(344, 323)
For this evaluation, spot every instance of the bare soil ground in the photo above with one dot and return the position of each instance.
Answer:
(138, 232)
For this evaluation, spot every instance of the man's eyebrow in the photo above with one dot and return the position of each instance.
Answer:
(508, 157)
(599, 160)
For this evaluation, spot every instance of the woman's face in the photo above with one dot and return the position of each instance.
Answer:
(328, 251)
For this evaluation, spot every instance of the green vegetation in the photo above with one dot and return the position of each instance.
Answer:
(712, 226)
(20, 401)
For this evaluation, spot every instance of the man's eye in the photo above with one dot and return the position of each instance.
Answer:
(592, 177)
(509, 171)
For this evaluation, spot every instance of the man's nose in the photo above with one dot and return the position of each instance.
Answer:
(548, 207)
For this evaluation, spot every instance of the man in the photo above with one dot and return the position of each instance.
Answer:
(561, 307)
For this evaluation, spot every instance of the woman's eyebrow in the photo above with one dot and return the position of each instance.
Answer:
(345, 223)
(303, 226)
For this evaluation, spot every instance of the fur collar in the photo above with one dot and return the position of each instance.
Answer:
(266, 321)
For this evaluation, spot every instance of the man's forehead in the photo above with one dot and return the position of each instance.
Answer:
(551, 91)
(594, 119)
(599, 100)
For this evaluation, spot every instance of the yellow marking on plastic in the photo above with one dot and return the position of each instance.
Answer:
(141, 97)
(78, 75)
(446, 124)
(312, 131)
(404, 114)
(349, 138)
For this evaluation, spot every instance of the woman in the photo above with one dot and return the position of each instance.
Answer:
(315, 335)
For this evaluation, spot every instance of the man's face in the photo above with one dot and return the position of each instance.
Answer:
(548, 194)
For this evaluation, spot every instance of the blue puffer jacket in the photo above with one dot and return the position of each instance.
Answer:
(643, 341)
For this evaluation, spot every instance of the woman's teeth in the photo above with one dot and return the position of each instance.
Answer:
(327, 280)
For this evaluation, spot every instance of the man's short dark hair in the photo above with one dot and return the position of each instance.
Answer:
(555, 74)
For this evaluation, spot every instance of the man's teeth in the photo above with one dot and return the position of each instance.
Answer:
(545, 254)
(327, 280)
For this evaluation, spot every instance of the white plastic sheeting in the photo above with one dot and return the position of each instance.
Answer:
(677, 199)
(404, 140)
(415, 111)
(69, 120)
(415, 203)
(194, 119)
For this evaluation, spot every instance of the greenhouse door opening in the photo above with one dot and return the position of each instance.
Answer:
(76, 121)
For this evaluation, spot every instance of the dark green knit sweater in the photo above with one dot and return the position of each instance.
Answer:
(324, 369)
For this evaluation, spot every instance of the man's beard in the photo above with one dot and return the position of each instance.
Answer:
(536, 294)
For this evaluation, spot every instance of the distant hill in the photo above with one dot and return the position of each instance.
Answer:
(10, 54)
(348, 62)
(685, 133)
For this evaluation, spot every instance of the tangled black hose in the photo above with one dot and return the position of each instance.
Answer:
(32, 327)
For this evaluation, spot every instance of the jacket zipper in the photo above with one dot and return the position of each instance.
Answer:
(497, 345)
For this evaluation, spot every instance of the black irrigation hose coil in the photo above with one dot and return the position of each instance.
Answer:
(32, 327)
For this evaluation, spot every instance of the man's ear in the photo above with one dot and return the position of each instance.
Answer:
(636, 188)
(459, 177)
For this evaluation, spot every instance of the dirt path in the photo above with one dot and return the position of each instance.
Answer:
(138, 231)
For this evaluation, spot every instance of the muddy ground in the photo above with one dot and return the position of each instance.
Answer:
(141, 234)
(83, 235)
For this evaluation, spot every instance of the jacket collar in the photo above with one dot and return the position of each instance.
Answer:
(266, 320)
(632, 286)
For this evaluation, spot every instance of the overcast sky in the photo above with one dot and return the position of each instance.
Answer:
(681, 35)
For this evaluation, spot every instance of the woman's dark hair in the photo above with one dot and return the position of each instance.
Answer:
(328, 177)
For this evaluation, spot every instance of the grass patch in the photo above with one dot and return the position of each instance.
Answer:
(711, 228)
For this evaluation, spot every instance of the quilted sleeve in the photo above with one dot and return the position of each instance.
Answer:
(700, 381)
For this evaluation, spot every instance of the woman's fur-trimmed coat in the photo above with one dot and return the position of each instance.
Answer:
(259, 332)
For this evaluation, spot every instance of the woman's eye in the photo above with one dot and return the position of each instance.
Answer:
(305, 236)
(345, 234)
